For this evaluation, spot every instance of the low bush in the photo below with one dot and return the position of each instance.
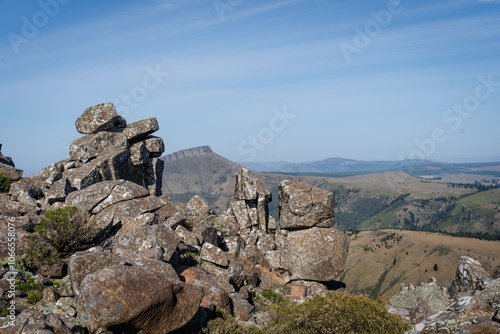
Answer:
(60, 233)
(337, 312)
(34, 298)
(4, 183)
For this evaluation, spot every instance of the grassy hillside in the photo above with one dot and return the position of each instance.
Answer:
(362, 202)
(379, 261)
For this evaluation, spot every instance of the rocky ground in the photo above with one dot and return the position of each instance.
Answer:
(156, 266)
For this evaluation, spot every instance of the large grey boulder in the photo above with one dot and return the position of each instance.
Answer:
(302, 206)
(101, 117)
(96, 144)
(12, 173)
(317, 254)
(470, 277)
(134, 299)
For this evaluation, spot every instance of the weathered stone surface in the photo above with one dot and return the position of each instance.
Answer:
(244, 189)
(206, 234)
(421, 311)
(155, 146)
(49, 295)
(12, 173)
(113, 166)
(235, 245)
(87, 199)
(82, 264)
(470, 276)
(141, 128)
(51, 173)
(154, 177)
(34, 322)
(317, 254)
(124, 212)
(133, 298)
(302, 206)
(122, 191)
(214, 254)
(187, 236)
(83, 177)
(101, 117)
(240, 213)
(200, 206)
(150, 242)
(214, 295)
(96, 144)
(139, 155)
(146, 219)
(58, 191)
(243, 310)
(252, 256)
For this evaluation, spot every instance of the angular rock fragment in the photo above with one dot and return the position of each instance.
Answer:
(214, 254)
(141, 128)
(101, 117)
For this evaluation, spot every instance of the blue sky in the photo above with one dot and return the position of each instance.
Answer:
(256, 80)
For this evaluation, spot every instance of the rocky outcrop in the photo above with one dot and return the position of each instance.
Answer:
(101, 117)
(476, 297)
(470, 277)
(8, 168)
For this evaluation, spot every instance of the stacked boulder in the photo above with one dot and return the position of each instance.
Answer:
(305, 245)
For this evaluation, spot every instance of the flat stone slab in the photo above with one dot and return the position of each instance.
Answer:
(141, 128)
(96, 144)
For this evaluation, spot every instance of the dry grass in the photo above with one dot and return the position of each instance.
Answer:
(364, 267)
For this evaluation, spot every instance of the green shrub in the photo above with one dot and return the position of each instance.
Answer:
(34, 298)
(210, 220)
(274, 297)
(189, 259)
(29, 285)
(60, 233)
(20, 263)
(4, 183)
(337, 312)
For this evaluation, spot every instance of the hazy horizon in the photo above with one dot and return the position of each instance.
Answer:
(291, 80)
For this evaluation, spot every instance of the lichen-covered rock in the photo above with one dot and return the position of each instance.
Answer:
(150, 242)
(214, 295)
(245, 188)
(200, 206)
(124, 212)
(6, 160)
(213, 254)
(96, 144)
(302, 205)
(30, 321)
(317, 254)
(58, 191)
(12, 173)
(141, 128)
(131, 298)
(101, 117)
(122, 191)
(470, 276)
(87, 199)
(155, 146)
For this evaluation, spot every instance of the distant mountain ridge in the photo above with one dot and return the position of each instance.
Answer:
(341, 165)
